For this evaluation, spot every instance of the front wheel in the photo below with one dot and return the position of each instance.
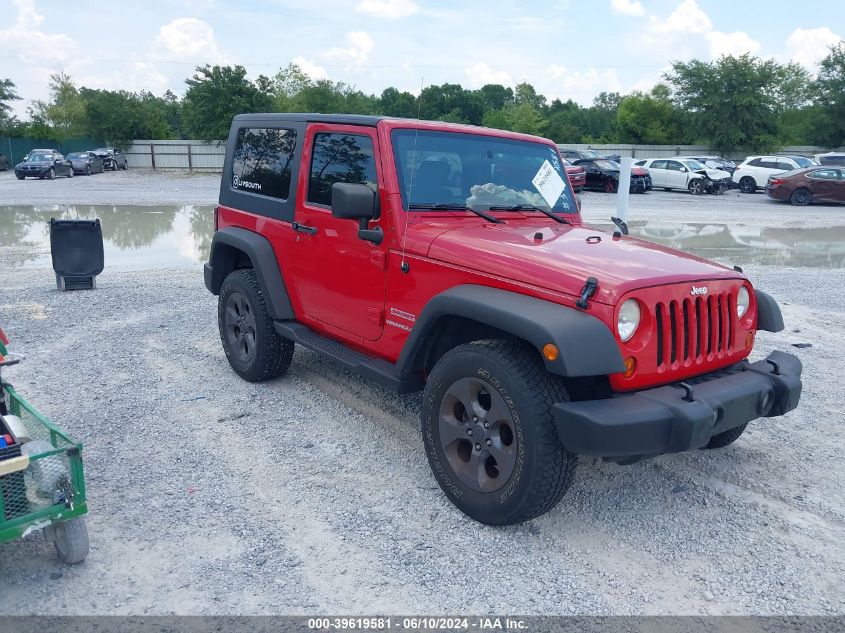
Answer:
(51, 174)
(70, 174)
(19, 177)
(801, 198)
(747, 185)
(71, 540)
(696, 187)
(610, 185)
(253, 347)
(489, 435)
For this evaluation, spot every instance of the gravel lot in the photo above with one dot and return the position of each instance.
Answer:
(210, 495)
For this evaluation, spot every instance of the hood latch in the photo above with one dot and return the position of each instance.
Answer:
(588, 291)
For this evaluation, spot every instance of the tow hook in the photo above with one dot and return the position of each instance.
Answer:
(688, 395)
(588, 291)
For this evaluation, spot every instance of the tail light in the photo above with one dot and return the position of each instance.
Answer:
(776, 181)
(216, 217)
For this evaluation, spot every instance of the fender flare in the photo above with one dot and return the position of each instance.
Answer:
(587, 346)
(769, 317)
(222, 261)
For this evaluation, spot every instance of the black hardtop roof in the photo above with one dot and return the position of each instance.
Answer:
(351, 119)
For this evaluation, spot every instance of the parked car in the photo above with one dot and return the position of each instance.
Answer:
(113, 159)
(577, 175)
(830, 158)
(493, 299)
(603, 175)
(714, 162)
(753, 173)
(4, 162)
(675, 172)
(580, 154)
(86, 163)
(44, 164)
(810, 184)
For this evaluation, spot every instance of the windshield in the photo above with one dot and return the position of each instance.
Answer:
(78, 155)
(590, 153)
(39, 158)
(694, 165)
(477, 171)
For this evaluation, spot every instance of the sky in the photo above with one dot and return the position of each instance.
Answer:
(565, 48)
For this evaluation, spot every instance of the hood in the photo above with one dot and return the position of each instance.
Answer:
(563, 259)
(714, 174)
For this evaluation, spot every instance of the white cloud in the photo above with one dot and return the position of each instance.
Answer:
(809, 46)
(360, 46)
(310, 68)
(581, 85)
(134, 77)
(190, 37)
(31, 44)
(686, 19)
(388, 9)
(736, 43)
(480, 74)
(627, 7)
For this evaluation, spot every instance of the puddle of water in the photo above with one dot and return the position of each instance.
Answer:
(740, 244)
(170, 236)
(134, 238)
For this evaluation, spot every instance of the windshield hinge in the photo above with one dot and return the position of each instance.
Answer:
(588, 291)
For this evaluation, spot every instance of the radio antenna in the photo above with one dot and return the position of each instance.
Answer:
(404, 267)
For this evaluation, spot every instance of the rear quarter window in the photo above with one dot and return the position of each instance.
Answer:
(262, 161)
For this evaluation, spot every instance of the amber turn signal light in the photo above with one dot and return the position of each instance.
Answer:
(630, 366)
(550, 352)
(749, 340)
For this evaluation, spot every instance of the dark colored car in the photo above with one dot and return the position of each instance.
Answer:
(4, 162)
(86, 163)
(113, 159)
(810, 184)
(44, 164)
(603, 175)
(580, 154)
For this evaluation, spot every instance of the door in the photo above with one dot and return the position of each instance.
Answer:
(658, 174)
(595, 180)
(676, 174)
(340, 278)
(825, 184)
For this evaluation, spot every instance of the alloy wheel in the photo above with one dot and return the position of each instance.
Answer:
(240, 327)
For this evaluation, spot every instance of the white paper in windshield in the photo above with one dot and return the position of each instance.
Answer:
(549, 183)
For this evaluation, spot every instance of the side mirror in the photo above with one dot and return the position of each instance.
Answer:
(352, 201)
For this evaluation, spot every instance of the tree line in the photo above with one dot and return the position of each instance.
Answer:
(730, 104)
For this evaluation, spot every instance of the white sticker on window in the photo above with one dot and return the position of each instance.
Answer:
(549, 183)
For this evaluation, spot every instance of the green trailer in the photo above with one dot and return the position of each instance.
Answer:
(42, 486)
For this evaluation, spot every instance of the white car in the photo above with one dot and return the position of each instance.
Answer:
(675, 172)
(753, 173)
(831, 158)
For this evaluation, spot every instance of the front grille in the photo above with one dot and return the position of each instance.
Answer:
(694, 329)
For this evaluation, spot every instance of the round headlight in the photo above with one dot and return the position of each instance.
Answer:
(628, 320)
(742, 301)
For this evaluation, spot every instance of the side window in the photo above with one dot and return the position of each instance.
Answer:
(262, 161)
(784, 165)
(757, 162)
(825, 174)
(340, 158)
(658, 164)
(769, 163)
(673, 165)
(640, 163)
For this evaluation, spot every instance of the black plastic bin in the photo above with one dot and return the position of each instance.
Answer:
(77, 249)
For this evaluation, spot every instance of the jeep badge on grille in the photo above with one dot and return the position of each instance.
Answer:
(698, 291)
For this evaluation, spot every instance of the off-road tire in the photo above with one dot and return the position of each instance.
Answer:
(747, 184)
(71, 540)
(543, 469)
(728, 437)
(801, 197)
(272, 353)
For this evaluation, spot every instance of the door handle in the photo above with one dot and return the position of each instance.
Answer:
(311, 230)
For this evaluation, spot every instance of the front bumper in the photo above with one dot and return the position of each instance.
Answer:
(667, 419)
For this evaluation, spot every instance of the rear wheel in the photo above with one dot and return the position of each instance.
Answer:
(489, 435)
(728, 437)
(747, 184)
(801, 197)
(254, 349)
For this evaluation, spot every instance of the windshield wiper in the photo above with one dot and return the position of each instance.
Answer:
(531, 207)
(444, 206)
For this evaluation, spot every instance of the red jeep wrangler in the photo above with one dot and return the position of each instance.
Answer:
(453, 259)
